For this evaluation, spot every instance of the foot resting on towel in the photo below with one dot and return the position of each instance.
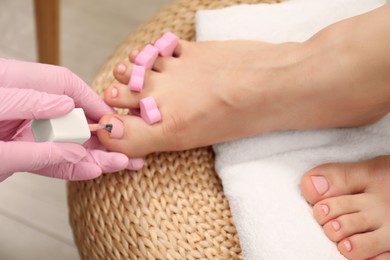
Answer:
(210, 92)
(351, 201)
(207, 93)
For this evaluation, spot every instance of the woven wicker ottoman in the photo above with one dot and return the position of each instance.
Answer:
(174, 208)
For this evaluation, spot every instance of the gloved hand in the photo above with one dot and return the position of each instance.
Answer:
(38, 91)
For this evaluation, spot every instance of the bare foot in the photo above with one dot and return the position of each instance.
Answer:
(219, 91)
(208, 93)
(351, 201)
(212, 92)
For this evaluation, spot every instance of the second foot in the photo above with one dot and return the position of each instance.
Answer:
(351, 201)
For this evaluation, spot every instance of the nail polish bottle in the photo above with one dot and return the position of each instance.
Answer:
(71, 128)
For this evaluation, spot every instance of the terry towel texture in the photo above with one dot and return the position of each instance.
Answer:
(261, 175)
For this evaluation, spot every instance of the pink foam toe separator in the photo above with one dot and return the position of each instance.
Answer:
(166, 44)
(149, 110)
(136, 81)
(147, 56)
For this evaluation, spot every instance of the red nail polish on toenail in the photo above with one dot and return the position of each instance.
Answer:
(347, 245)
(336, 225)
(320, 184)
(121, 68)
(117, 128)
(325, 209)
(114, 92)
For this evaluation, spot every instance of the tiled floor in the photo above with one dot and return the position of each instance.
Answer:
(33, 210)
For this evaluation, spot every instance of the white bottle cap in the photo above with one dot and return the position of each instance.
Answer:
(71, 128)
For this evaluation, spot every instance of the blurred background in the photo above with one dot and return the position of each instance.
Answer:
(33, 210)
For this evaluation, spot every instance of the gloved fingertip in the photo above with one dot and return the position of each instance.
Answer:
(135, 164)
(118, 162)
(108, 161)
(85, 171)
(52, 106)
(65, 103)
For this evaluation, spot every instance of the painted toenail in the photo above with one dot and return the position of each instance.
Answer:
(147, 57)
(117, 128)
(136, 164)
(325, 209)
(121, 68)
(336, 225)
(166, 44)
(136, 81)
(320, 184)
(114, 92)
(149, 110)
(347, 245)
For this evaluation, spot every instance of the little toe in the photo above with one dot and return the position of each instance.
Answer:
(133, 54)
(158, 64)
(167, 44)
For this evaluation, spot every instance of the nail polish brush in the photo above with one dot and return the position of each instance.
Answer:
(97, 127)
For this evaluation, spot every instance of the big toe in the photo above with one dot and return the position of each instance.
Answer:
(129, 135)
(334, 179)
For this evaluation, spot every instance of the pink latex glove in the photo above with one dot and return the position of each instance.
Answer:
(38, 91)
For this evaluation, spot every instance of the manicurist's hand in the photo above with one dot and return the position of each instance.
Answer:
(38, 91)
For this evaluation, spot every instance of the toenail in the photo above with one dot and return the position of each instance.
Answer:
(134, 53)
(325, 209)
(166, 44)
(320, 184)
(121, 68)
(147, 57)
(117, 128)
(114, 92)
(347, 245)
(336, 225)
(136, 81)
(136, 164)
(149, 110)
